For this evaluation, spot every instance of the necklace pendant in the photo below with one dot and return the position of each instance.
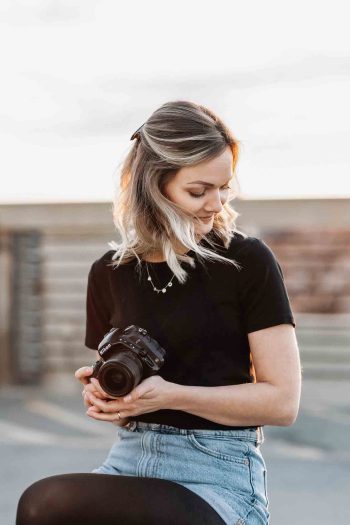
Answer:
(163, 290)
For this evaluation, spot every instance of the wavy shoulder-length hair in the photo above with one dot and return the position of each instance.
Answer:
(177, 134)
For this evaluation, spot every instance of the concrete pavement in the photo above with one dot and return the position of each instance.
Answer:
(45, 432)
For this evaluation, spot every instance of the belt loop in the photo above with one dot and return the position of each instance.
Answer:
(260, 436)
(131, 425)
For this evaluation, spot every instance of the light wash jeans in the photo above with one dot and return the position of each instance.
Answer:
(224, 467)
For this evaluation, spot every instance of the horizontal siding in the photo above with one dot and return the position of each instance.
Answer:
(66, 262)
(316, 268)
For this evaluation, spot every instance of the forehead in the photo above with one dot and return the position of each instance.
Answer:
(220, 166)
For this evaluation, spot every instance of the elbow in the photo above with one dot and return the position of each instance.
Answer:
(286, 409)
(288, 422)
(290, 417)
(289, 408)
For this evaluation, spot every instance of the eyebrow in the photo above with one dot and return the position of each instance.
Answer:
(209, 184)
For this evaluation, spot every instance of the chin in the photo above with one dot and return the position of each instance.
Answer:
(203, 230)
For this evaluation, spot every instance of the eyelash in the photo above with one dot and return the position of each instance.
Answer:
(197, 195)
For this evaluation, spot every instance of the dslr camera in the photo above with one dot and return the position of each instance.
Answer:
(127, 357)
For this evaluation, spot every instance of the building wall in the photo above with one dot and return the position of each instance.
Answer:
(43, 320)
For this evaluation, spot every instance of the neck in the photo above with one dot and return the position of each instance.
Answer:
(158, 256)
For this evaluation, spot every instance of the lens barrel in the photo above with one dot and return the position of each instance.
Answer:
(120, 374)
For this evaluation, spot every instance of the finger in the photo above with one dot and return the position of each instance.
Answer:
(105, 417)
(89, 404)
(83, 373)
(96, 384)
(91, 388)
(98, 387)
(86, 399)
(92, 408)
(105, 406)
(98, 395)
(121, 422)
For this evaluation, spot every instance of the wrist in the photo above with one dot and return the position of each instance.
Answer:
(177, 397)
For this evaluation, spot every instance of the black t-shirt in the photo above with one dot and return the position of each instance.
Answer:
(202, 324)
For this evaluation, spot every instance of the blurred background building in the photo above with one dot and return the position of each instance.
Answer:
(46, 251)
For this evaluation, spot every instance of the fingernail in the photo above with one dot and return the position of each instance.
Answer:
(127, 398)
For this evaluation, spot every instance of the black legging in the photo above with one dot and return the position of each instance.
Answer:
(106, 499)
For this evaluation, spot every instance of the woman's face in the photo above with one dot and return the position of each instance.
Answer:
(203, 189)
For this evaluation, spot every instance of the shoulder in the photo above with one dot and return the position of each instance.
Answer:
(248, 248)
(102, 263)
(255, 258)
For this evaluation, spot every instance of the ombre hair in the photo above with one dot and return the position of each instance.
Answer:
(178, 134)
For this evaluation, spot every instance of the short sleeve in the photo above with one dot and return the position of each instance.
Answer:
(97, 308)
(262, 292)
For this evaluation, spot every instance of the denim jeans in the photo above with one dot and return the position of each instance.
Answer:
(224, 467)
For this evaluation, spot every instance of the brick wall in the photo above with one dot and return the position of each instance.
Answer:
(316, 267)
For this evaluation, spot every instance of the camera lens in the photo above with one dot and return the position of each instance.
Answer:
(115, 379)
(120, 374)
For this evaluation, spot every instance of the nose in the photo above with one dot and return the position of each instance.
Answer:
(215, 203)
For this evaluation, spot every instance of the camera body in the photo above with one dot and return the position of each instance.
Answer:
(127, 357)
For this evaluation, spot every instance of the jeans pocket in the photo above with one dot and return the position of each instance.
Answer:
(224, 448)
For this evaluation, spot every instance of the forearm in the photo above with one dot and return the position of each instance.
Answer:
(246, 404)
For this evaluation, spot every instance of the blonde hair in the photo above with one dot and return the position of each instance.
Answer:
(177, 134)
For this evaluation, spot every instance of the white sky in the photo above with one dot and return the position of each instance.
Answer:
(78, 77)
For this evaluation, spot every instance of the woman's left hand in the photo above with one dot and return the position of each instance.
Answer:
(152, 394)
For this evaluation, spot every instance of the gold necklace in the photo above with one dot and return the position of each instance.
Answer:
(161, 289)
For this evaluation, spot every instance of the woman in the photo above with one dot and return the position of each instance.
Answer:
(214, 298)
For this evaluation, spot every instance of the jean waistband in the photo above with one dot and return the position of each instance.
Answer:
(250, 434)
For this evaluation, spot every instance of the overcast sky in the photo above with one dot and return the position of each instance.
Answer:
(78, 77)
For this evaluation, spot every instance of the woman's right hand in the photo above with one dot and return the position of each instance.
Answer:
(82, 374)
